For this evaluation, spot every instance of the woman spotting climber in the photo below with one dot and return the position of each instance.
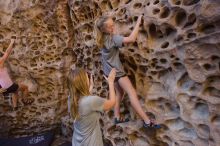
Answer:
(109, 42)
(6, 84)
(85, 108)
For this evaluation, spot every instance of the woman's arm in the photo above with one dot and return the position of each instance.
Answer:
(7, 52)
(108, 104)
(132, 37)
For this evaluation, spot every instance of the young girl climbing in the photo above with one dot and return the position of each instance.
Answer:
(6, 84)
(85, 108)
(109, 43)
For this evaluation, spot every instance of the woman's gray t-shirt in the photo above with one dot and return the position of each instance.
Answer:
(110, 55)
(87, 130)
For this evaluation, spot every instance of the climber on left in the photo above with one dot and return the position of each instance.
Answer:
(6, 84)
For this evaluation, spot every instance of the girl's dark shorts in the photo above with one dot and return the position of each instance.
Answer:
(12, 89)
(117, 78)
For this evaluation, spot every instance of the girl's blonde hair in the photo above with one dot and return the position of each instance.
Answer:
(77, 82)
(100, 30)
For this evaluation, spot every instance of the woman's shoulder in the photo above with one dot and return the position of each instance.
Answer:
(111, 37)
(91, 96)
(89, 99)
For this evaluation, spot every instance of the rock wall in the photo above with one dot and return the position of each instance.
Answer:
(174, 66)
(40, 60)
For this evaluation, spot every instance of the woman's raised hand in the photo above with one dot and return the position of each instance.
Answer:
(111, 77)
(91, 82)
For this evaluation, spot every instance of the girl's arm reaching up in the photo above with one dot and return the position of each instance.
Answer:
(132, 37)
(7, 52)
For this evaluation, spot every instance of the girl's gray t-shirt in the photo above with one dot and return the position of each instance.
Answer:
(110, 55)
(87, 130)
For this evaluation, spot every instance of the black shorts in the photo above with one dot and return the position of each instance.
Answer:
(117, 78)
(12, 89)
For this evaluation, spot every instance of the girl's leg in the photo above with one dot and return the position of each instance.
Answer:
(119, 96)
(14, 99)
(24, 89)
(126, 85)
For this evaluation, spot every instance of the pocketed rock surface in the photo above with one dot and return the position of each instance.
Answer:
(174, 66)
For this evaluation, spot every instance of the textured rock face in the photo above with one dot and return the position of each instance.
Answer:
(40, 60)
(174, 65)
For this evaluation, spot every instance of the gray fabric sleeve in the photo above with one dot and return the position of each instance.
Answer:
(118, 40)
(97, 103)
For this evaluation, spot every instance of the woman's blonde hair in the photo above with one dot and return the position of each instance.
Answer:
(77, 82)
(100, 30)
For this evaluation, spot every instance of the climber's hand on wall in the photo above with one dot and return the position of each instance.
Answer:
(91, 82)
(12, 41)
(139, 18)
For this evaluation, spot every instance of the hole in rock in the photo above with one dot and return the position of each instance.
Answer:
(88, 38)
(204, 128)
(143, 68)
(177, 64)
(159, 34)
(77, 3)
(153, 72)
(172, 56)
(180, 17)
(216, 120)
(127, 1)
(178, 38)
(131, 50)
(137, 5)
(170, 30)
(190, 2)
(191, 35)
(154, 60)
(156, 11)
(122, 11)
(176, 2)
(208, 67)
(176, 144)
(120, 141)
(207, 28)
(107, 142)
(135, 18)
(214, 57)
(165, 45)
(110, 5)
(1, 36)
(163, 61)
(191, 20)
(165, 12)
(158, 67)
(156, 2)
(152, 30)
(201, 111)
(211, 91)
